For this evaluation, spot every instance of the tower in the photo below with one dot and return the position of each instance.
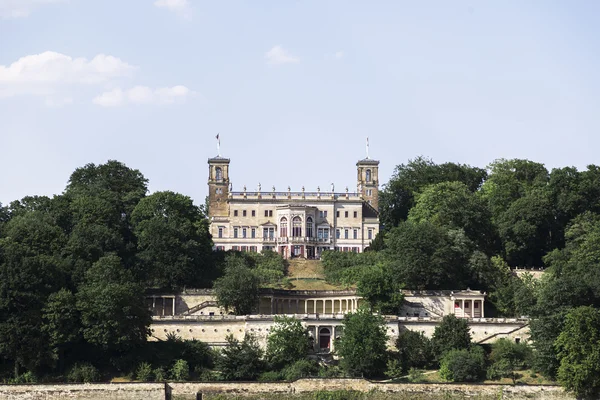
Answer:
(368, 181)
(218, 186)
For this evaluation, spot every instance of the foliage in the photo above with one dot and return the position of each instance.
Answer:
(414, 350)
(578, 347)
(451, 334)
(506, 357)
(379, 291)
(237, 290)
(159, 374)
(240, 361)
(180, 371)
(83, 373)
(362, 347)
(144, 372)
(300, 369)
(346, 268)
(463, 365)
(270, 376)
(415, 375)
(288, 342)
(393, 368)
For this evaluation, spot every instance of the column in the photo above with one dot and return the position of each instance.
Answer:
(305, 306)
(482, 315)
(296, 312)
(463, 307)
(332, 340)
(173, 306)
(272, 309)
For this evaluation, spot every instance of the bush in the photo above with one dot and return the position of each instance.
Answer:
(451, 333)
(159, 375)
(180, 371)
(240, 361)
(84, 373)
(27, 377)
(394, 369)
(270, 376)
(300, 369)
(416, 375)
(144, 372)
(463, 365)
(414, 350)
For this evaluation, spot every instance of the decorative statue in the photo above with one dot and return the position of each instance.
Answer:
(231, 186)
(318, 189)
(332, 188)
(273, 188)
(259, 187)
(289, 189)
(346, 189)
(244, 188)
(302, 188)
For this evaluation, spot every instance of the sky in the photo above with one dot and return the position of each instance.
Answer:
(293, 88)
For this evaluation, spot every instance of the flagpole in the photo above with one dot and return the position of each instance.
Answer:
(367, 147)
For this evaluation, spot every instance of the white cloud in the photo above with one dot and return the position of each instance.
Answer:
(338, 55)
(181, 7)
(143, 95)
(45, 73)
(278, 56)
(21, 8)
(57, 102)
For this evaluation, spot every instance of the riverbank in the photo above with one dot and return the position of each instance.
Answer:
(302, 389)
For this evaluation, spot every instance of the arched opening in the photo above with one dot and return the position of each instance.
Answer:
(218, 174)
(309, 227)
(297, 227)
(368, 175)
(324, 338)
(283, 223)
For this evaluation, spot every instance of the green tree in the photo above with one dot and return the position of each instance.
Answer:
(362, 347)
(451, 333)
(507, 357)
(414, 350)
(62, 323)
(237, 290)
(112, 306)
(240, 361)
(455, 206)
(174, 245)
(463, 365)
(379, 291)
(398, 195)
(287, 342)
(578, 347)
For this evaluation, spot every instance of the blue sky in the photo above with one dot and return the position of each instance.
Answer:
(293, 87)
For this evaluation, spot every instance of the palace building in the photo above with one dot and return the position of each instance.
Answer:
(295, 224)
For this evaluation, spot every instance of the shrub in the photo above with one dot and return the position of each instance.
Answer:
(451, 333)
(300, 369)
(144, 372)
(159, 375)
(27, 377)
(463, 365)
(240, 360)
(270, 376)
(394, 369)
(416, 375)
(180, 370)
(84, 373)
(414, 350)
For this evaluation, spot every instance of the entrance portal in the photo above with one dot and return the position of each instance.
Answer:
(324, 338)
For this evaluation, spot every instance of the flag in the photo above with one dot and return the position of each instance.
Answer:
(217, 137)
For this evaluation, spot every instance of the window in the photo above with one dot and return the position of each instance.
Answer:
(235, 213)
(369, 192)
(296, 227)
(345, 233)
(355, 250)
(265, 233)
(309, 227)
(219, 174)
(253, 249)
(244, 233)
(244, 213)
(337, 233)
(368, 175)
(323, 233)
(270, 213)
(355, 234)
(253, 233)
(254, 213)
(235, 232)
(325, 213)
(345, 214)
(220, 248)
(355, 214)
(244, 248)
(337, 214)
(220, 232)
(370, 233)
(235, 248)
(266, 213)
(283, 227)
(476, 305)
(456, 304)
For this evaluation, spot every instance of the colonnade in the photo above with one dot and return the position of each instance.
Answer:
(473, 309)
(314, 306)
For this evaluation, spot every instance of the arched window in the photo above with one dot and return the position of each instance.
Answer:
(309, 227)
(283, 227)
(324, 338)
(297, 227)
(219, 174)
(368, 175)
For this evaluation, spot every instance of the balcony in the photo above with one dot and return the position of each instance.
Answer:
(303, 240)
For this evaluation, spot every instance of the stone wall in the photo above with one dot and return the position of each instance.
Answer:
(95, 391)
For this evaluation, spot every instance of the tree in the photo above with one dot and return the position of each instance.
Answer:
(62, 323)
(379, 291)
(455, 206)
(237, 290)
(578, 347)
(508, 356)
(362, 347)
(398, 196)
(414, 350)
(240, 361)
(463, 365)
(451, 333)
(287, 342)
(174, 245)
(425, 256)
(112, 306)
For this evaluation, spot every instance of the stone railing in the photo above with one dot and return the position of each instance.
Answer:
(295, 196)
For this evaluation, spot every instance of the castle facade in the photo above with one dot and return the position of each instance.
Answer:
(294, 224)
